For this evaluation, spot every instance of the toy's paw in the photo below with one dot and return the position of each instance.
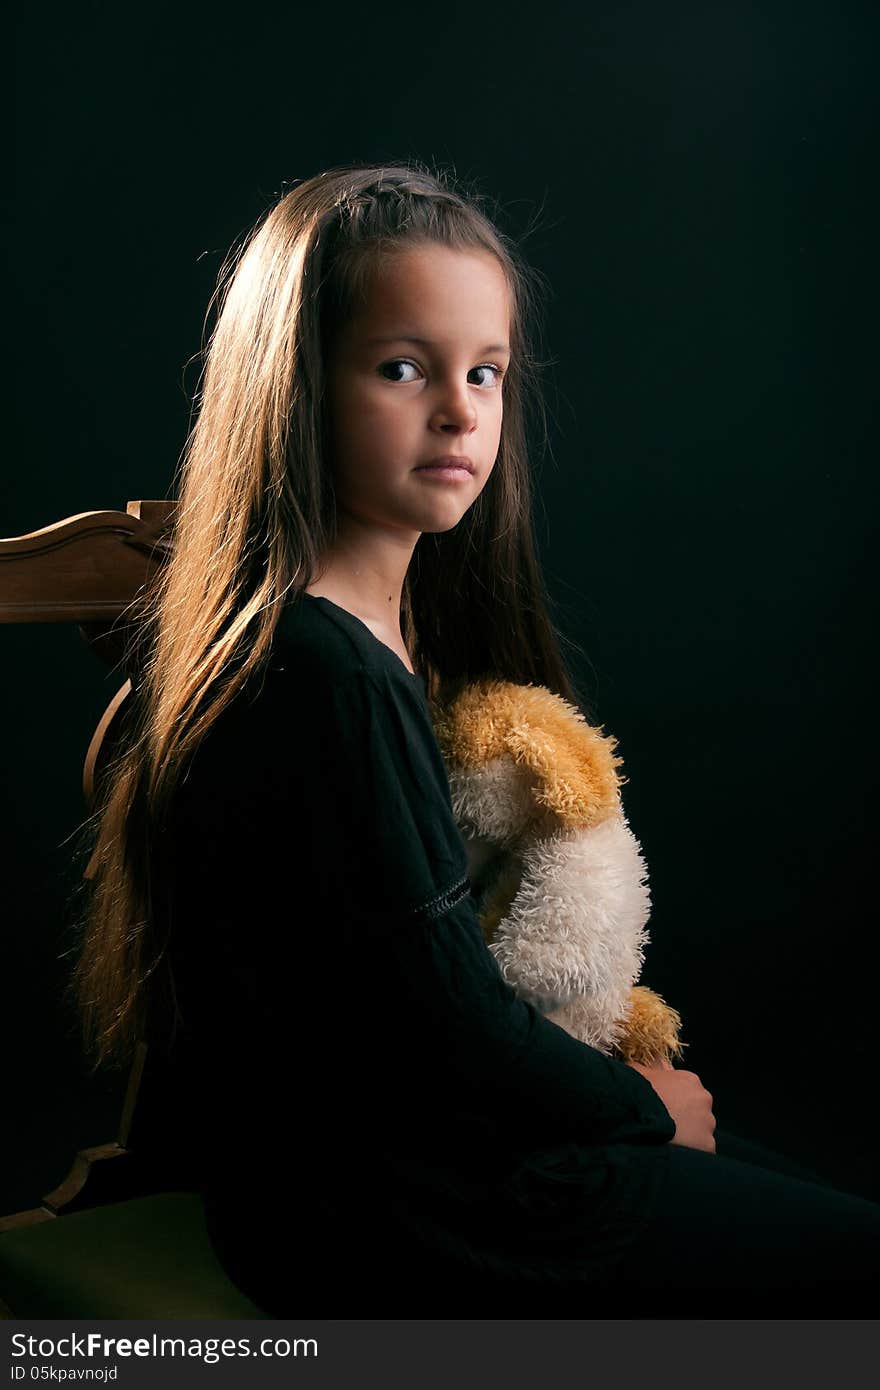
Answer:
(650, 1030)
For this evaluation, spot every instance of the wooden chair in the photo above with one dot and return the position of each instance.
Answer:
(78, 1254)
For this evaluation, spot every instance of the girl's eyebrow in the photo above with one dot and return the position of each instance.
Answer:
(426, 342)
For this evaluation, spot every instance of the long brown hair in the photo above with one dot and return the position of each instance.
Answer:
(256, 512)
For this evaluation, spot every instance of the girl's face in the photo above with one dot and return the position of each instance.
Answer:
(414, 377)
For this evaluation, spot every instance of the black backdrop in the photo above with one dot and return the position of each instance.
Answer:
(700, 182)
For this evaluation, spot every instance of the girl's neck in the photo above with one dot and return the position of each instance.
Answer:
(351, 596)
(365, 574)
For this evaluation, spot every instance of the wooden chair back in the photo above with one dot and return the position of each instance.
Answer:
(87, 569)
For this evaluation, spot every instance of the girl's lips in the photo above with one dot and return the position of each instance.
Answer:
(445, 473)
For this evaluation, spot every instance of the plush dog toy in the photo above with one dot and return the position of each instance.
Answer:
(558, 876)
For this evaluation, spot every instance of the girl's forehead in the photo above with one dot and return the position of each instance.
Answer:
(433, 292)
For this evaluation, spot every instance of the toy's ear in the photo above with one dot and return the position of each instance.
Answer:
(569, 766)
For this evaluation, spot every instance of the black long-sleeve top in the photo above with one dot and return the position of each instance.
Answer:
(366, 1094)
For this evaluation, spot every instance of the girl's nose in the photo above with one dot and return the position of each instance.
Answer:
(455, 407)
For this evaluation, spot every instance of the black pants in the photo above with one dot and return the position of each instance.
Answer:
(746, 1233)
(740, 1233)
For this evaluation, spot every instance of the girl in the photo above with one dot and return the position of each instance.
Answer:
(281, 905)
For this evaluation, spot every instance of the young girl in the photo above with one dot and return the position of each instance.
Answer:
(281, 906)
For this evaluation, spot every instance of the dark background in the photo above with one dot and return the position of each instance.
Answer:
(700, 184)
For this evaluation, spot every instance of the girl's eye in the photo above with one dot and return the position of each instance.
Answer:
(398, 363)
(489, 367)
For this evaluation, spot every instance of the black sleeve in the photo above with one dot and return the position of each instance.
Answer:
(322, 926)
(402, 890)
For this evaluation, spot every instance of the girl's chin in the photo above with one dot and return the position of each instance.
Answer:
(440, 512)
(442, 518)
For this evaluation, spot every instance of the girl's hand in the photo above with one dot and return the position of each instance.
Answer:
(688, 1102)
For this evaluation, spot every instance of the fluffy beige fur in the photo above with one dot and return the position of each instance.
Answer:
(559, 876)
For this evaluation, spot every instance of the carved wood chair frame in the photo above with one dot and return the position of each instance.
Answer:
(87, 569)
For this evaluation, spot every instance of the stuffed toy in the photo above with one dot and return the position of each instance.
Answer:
(558, 876)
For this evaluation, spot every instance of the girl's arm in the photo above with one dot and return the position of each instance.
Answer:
(399, 889)
(475, 1038)
(323, 894)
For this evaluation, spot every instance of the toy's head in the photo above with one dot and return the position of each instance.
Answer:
(523, 762)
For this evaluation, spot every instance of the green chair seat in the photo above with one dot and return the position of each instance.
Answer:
(146, 1258)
